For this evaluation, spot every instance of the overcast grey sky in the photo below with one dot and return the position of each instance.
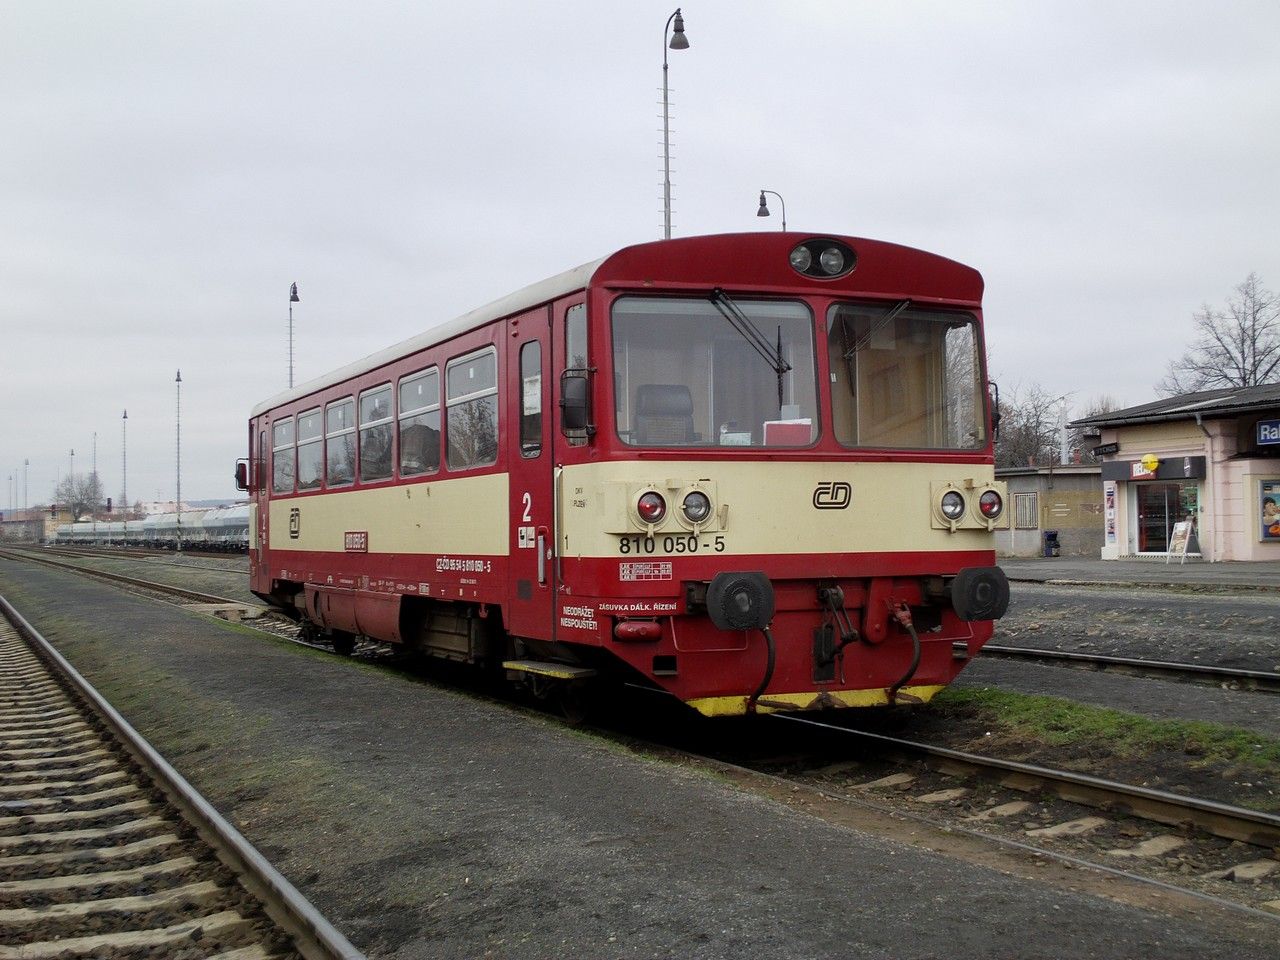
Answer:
(168, 169)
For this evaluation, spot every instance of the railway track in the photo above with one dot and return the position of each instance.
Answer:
(1189, 817)
(166, 590)
(1174, 842)
(1262, 681)
(106, 851)
(1185, 812)
(150, 557)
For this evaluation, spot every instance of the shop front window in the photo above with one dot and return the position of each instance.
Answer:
(1159, 507)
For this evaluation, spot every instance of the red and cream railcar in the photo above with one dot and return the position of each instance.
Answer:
(752, 470)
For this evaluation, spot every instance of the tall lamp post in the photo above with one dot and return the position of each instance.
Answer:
(678, 42)
(293, 298)
(178, 381)
(124, 473)
(764, 208)
(94, 489)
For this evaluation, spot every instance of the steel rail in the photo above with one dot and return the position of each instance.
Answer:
(1219, 819)
(152, 557)
(314, 937)
(1263, 681)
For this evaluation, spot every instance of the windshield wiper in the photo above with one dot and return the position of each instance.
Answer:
(750, 332)
(890, 315)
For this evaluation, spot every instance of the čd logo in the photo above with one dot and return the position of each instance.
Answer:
(832, 495)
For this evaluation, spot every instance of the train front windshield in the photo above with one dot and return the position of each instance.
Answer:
(720, 372)
(905, 378)
(729, 372)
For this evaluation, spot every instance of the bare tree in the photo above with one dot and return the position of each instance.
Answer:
(1082, 440)
(1236, 347)
(1029, 424)
(80, 493)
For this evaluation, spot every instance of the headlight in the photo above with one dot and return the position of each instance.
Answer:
(990, 504)
(952, 505)
(651, 507)
(696, 506)
(823, 258)
(832, 261)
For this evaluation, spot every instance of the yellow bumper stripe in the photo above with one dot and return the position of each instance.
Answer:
(816, 700)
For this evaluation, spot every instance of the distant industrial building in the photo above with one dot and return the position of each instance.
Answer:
(1052, 511)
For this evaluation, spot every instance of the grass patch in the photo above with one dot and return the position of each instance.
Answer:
(1056, 722)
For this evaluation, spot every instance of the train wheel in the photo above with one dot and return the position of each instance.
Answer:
(576, 702)
(343, 643)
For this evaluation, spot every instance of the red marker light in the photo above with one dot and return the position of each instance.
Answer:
(651, 507)
(990, 504)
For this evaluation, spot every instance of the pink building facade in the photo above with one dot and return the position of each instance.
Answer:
(1209, 461)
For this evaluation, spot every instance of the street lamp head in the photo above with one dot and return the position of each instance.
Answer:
(678, 40)
(764, 208)
(178, 378)
(293, 287)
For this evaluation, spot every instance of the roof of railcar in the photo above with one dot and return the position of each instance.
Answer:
(892, 275)
(531, 296)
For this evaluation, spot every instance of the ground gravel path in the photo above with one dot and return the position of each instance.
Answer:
(429, 824)
(1225, 630)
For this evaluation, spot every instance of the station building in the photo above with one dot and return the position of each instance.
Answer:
(1209, 461)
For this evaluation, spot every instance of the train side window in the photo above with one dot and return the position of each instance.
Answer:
(575, 349)
(340, 443)
(575, 337)
(531, 399)
(310, 450)
(282, 456)
(420, 423)
(471, 410)
(375, 433)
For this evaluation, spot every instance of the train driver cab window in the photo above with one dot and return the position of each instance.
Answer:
(340, 443)
(905, 377)
(471, 410)
(282, 456)
(420, 423)
(375, 434)
(310, 450)
(727, 372)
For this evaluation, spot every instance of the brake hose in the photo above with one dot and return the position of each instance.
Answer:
(768, 669)
(902, 613)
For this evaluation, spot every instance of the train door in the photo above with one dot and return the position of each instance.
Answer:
(261, 508)
(531, 575)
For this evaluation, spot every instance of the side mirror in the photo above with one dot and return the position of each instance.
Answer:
(242, 474)
(995, 408)
(575, 404)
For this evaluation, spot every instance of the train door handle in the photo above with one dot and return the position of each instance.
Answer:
(543, 554)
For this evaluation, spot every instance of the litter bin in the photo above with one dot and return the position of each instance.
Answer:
(1051, 546)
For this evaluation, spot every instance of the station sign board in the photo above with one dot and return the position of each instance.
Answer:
(1268, 433)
